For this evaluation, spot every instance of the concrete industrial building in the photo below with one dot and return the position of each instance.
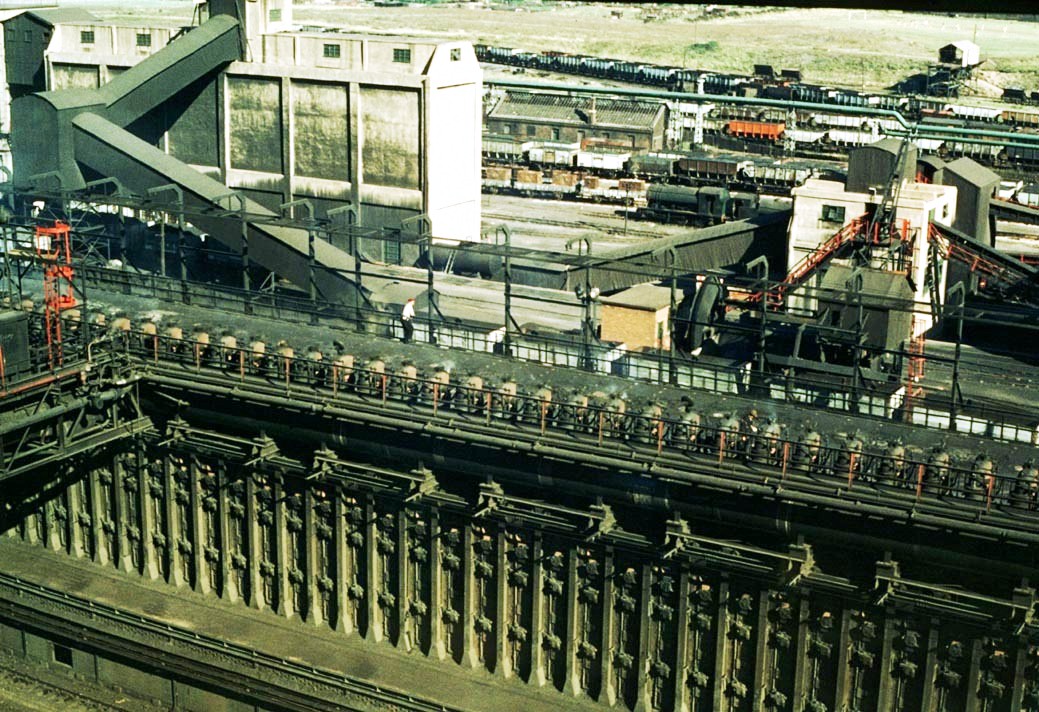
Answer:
(333, 118)
(638, 125)
(822, 208)
(224, 498)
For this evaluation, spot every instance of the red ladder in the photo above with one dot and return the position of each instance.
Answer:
(914, 371)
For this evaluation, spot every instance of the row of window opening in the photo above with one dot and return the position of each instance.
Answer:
(144, 39)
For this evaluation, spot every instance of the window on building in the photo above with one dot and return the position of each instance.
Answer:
(532, 130)
(63, 655)
(27, 36)
(833, 214)
(555, 134)
(86, 37)
(456, 54)
(332, 51)
(275, 14)
(144, 39)
(402, 55)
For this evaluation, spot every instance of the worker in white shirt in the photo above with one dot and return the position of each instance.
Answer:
(407, 315)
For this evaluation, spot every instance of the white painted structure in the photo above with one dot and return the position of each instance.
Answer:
(822, 208)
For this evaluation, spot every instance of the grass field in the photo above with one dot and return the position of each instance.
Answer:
(857, 48)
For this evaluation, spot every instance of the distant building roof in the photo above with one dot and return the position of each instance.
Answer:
(962, 52)
(51, 15)
(642, 296)
(972, 172)
(932, 161)
(964, 45)
(617, 113)
(891, 145)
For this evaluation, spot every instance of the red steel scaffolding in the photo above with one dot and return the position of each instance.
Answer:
(52, 247)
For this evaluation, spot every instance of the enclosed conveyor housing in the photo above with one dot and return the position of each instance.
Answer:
(67, 136)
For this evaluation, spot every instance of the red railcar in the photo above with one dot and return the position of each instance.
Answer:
(768, 130)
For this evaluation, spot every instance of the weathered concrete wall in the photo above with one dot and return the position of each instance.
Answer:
(255, 124)
(74, 76)
(193, 126)
(391, 124)
(388, 125)
(321, 130)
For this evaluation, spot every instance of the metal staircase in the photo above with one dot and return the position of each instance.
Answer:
(804, 269)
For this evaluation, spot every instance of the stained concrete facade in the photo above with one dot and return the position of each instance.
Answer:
(388, 125)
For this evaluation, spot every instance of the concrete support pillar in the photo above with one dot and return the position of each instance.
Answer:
(198, 532)
(802, 662)
(607, 691)
(314, 613)
(681, 666)
(146, 514)
(32, 527)
(572, 676)
(973, 677)
(288, 168)
(1017, 693)
(50, 525)
(75, 507)
(228, 577)
(642, 657)
(356, 130)
(173, 534)
(437, 604)
(99, 544)
(341, 621)
(930, 667)
(762, 669)
(407, 630)
(470, 658)
(254, 553)
(119, 510)
(503, 664)
(844, 649)
(537, 613)
(886, 650)
(721, 635)
(282, 584)
(372, 566)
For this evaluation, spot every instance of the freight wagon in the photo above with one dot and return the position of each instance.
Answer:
(763, 130)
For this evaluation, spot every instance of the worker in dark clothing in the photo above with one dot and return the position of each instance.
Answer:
(407, 316)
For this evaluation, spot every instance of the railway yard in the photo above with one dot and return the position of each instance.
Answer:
(518, 356)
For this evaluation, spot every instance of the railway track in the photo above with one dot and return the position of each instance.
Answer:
(583, 224)
(26, 603)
